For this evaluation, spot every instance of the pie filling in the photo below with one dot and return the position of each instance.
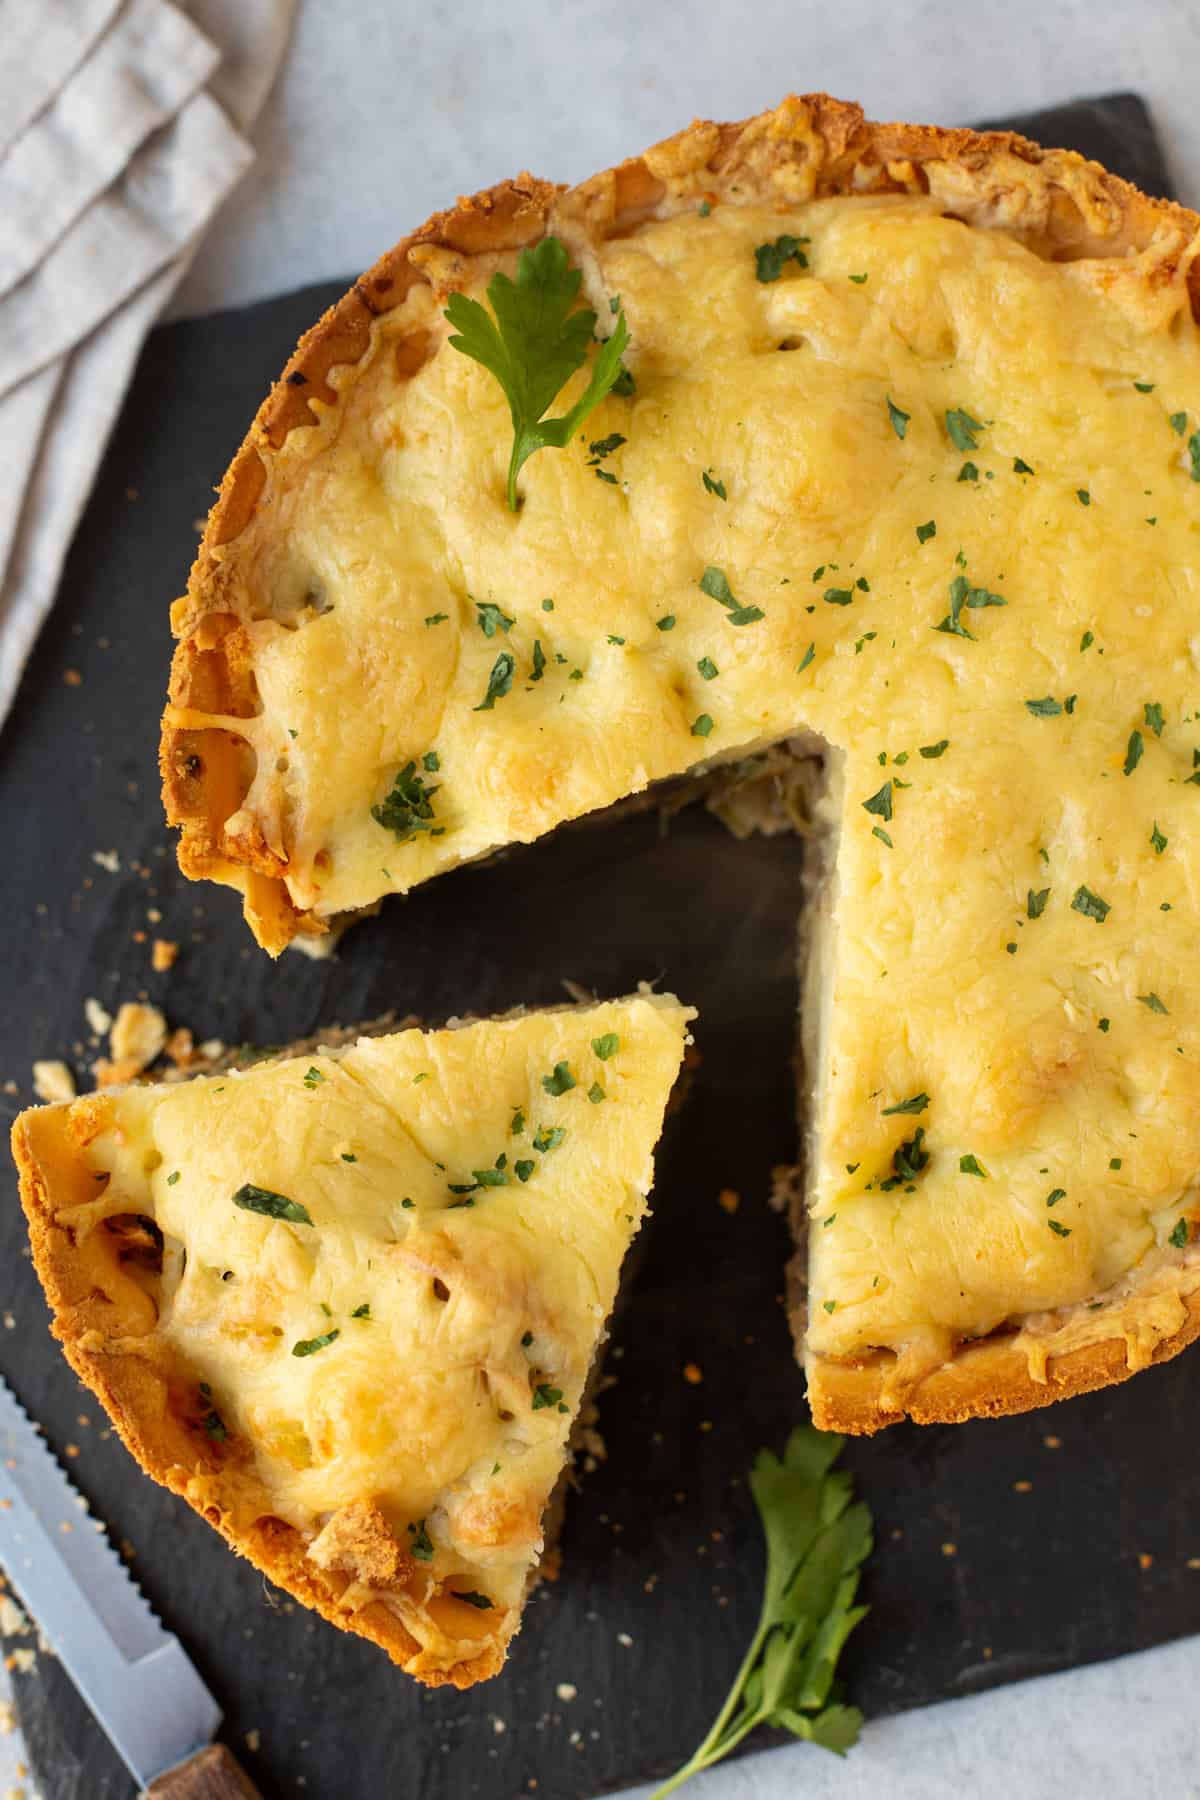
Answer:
(377, 1278)
(907, 486)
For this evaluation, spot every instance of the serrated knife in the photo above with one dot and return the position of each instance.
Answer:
(134, 1675)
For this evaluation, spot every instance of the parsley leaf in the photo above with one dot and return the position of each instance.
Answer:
(713, 486)
(492, 619)
(808, 657)
(899, 419)
(472, 1598)
(1158, 840)
(408, 809)
(702, 725)
(880, 802)
(926, 531)
(1152, 715)
(971, 1165)
(962, 428)
(932, 751)
(715, 583)
(1021, 467)
(770, 258)
(1133, 752)
(816, 1542)
(544, 1395)
(1194, 452)
(916, 1103)
(1063, 1231)
(561, 1082)
(548, 1137)
(271, 1205)
(1090, 905)
(310, 1346)
(708, 668)
(421, 1546)
(1047, 708)
(499, 681)
(1178, 1238)
(1154, 1003)
(606, 1046)
(534, 344)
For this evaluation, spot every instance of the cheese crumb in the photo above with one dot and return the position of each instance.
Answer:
(693, 1373)
(138, 1035)
(729, 1200)
(566, 1690)
(107, 859)
(53, 1081)
(98, 1017)
(163, 954)
(13, 1622)
(253, 1738)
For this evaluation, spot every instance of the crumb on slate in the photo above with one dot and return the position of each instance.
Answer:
(53, 1081)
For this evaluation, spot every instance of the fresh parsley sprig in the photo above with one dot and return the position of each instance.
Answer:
(816, 1542)
(533, 346)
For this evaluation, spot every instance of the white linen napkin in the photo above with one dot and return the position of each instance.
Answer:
(131, 121)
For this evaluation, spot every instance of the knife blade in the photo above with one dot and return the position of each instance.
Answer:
(135, 1676)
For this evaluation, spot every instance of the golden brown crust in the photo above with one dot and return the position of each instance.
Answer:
(105, 1320)
(810, 146)
(986, 1379)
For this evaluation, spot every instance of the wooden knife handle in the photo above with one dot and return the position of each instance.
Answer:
(212, 1774)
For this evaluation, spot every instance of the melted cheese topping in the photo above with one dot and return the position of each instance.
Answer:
(416, 1346)
(1017, 918)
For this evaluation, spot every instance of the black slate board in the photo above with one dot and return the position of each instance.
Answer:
(661, 1545)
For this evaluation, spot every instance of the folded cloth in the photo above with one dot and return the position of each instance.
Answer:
(133, 139)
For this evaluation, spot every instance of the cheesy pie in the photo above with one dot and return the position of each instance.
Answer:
(905, 472)
(346, 1304)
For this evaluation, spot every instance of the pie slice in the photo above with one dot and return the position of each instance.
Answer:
(904, 471)
(346, 1304)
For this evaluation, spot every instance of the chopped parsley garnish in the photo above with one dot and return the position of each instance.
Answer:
(1087, 640)
(713, 486)
(1152, 715)
(715, 583)
(408, 809)
(968, 472)
(708, 668)
(492, 619)
(472, 1598)
(1059, 1230)
(271, 1205)
(899, 419)
(858, 279)
(489, 1178)
(962, 428)
(1194, 453)
(916, 1103)
(517, 1122)
(605, 446)
(216, 1428)
(1046, 708)
(313, 1077)
(173, 1177)
(596, 1093)
(363, 1311)
(1133, 752)
(1055, 1195)
(808, 657)
(310, 1346)
(881, 834)
(907, 1162)
(1178, 1238)
(926, 531)
(1144, 387)
(1178, 423)
(436, 618)
(1083, 497)
(523, 1169)
(500, 679)
(539, 661)
(666, 623)
(971, 1165)
(963, 594)
(561, 1082)
(1035, 903)
(533, 344)
(769, 259)
(431, 762)
(1154, 1003)
(1090, 905)
(547, 605)
(1021, 467)
(1114, 1162)
(702, 726)
(606, 1046)
(1158, 840)
(839, 596)
(880, 802)
(548, 1137)
(931, 752)
(1104, 1024)
(421, 1545)
(544, 1395)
